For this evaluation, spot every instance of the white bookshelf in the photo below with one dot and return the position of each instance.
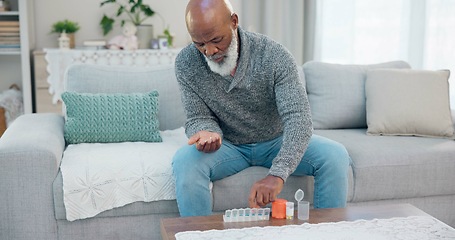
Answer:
(15, 64)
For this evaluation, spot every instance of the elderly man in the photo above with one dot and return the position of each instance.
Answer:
(245, 107)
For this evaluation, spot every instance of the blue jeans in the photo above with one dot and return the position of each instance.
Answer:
(325, 159)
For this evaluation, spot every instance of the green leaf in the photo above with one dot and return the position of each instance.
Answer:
(168, 36)
(134, 7)
(147, 10)
(107, 24)
(107, 1)
(120, 10)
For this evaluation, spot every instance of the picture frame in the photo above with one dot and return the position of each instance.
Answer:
(154, 44)
(163, 44)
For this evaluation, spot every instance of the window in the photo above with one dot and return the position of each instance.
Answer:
(421, 32)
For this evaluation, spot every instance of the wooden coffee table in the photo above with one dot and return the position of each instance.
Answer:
(171, 226)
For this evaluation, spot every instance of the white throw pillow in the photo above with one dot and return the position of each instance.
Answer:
(336, 93)
(408, 102)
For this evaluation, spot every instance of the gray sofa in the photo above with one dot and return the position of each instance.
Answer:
(385, 169)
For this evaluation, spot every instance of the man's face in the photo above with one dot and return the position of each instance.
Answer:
(215, 40)
(213, 44)
(226, 66)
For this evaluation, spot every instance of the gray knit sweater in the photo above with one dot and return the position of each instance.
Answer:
(265, 99)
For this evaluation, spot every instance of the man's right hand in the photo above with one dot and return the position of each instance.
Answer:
(206, 141)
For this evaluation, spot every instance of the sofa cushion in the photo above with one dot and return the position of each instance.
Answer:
(111, 117)
(408, 102)
(86, 78)
(336, 93)
(393, 167)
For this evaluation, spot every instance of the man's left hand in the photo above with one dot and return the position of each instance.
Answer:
(265, 191)
(206, 141)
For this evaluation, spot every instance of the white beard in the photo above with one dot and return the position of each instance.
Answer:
(225, 67)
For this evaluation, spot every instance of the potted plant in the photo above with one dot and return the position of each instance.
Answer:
(135, 10)
(68, 27)
(169, 36)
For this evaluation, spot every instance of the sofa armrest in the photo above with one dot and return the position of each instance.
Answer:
(31, 150)
(40, 132)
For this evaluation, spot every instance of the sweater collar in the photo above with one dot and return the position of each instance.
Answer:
(244, 55)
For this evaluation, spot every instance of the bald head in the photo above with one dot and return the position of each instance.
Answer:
(212, 25)
(207, 13)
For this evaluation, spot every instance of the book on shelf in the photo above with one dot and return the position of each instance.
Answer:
(9, 34)
(9, 29)
(82, 47)
(9, 41)
(10, 50)
(94, 43)
(9, 23)
(10, 38)
(4, 42)
(15, 45)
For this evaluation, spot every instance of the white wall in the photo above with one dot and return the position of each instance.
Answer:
(88, 14)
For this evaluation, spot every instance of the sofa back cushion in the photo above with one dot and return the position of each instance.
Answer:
(336, 93)
(86, 78)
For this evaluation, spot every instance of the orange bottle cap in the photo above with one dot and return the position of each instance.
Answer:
(279, 208)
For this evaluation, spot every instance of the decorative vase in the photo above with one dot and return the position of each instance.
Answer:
(64, 41)
(71, 36)
(144, 35)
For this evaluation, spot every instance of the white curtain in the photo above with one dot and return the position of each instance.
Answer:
(281, 20)
(421, 32)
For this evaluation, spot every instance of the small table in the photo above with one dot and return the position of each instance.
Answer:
(171, 226)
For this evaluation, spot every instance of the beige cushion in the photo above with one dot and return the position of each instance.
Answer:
(336, 93)
(408, 102)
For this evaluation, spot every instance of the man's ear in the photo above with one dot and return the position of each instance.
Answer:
(234, 20)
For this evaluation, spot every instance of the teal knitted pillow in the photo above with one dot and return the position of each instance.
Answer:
(113, 117)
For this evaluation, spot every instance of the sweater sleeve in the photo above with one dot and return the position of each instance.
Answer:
(198, 116)
(293, 107)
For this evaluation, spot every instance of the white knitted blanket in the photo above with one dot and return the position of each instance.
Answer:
(400, 228)
(99, 177)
